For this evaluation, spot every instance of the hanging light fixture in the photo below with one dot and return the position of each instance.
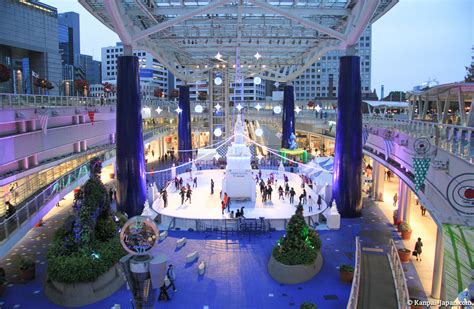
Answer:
(217, 132)
(218, 56)
(218, 107)
(259, 132)
(158, 110)
(239, 107)
(257, 80)
(297, 109)
(198, 108)
(258, 107)
(277, 109)
(218, 81)
(257, 56)
(178, 110)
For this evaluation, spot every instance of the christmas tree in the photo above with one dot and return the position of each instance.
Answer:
(300, 245)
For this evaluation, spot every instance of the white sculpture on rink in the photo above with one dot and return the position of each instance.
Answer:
(333, 217)
(238, 182)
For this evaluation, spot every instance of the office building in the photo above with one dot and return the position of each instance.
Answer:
(29, 47)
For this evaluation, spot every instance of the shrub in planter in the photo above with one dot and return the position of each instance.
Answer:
(307, 305)
(27, 268)
(405, 229)
(404, 255)
(88, 245)
(300, 245)
(346, 273)
(3, 281)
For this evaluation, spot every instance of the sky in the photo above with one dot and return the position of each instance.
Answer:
(415, 41)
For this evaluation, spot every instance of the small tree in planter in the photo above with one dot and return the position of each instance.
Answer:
(404, 255)
(307, 305)
(27, 268)
(300, 245)
(346, 273)
(405, 228)
(3, 281)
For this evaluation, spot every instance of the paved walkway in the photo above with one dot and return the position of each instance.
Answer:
(419, 274)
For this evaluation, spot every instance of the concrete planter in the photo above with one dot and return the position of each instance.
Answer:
(346, 276)
(293, 274)
(406, 235)
(81, 294)
(404, 255)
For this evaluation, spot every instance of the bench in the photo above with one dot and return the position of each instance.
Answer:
(180, 242)
(192, 257)
(202, 268)
(163, 235)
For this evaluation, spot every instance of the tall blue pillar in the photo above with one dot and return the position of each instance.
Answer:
(347, 185)
(288, 121)
(184, 125)
(130, 164)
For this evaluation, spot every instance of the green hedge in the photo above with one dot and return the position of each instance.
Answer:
(81, 266)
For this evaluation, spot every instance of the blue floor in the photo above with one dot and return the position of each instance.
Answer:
(236, 275)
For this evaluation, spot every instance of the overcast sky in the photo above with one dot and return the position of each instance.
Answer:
(416, 40)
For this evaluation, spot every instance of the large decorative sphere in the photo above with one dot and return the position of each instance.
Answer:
(218, 132)
(277, 109)
(198, 108)
(139, 235)
(218, 81)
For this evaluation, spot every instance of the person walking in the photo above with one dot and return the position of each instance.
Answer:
(188, 195)
(164, 195)
(310, 204)
(223, 206)
(319, 202)
(111, 194)
(418, 250)
(287, 189)
(305, 200)
(280, 193)
(269, 193)
(172, 277)
(292, 195)
(212, 186)
(183, 194)
(423, 210)
(195, 182)
(395, 199)
(228, 204)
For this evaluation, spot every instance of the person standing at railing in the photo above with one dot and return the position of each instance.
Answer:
(10, 209)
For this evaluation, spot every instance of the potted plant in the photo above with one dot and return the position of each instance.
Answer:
(405, 229)
(346, 273)
(27, 268)
(3, 281)
(308, 305)
(404, 255)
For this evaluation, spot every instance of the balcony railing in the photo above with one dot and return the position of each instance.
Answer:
(354, 296)
(398, 276)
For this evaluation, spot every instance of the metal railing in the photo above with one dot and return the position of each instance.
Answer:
(354, 296)
(39, 180)
(23, 213)
(399, 279)
(457, 140)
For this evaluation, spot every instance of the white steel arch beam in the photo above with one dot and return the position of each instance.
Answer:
(117, 20)
(360, 22)
(303, 21)
(169, 23)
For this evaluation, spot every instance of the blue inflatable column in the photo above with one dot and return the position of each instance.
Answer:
(130, 164)
(347, 185)
(184, 125)
(288, 121)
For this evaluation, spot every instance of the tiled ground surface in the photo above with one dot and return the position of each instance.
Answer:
(236, 275)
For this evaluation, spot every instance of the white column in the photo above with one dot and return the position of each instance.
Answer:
(21, 126)
(379, 175)
(401, 209)
(406, 196)
(77, 147)
(31, 125)
(83, 145)
(24, 164)
(33, 160)
(438, 265)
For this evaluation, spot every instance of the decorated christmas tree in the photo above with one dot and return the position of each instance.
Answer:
(292, 145)
(300, 245)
